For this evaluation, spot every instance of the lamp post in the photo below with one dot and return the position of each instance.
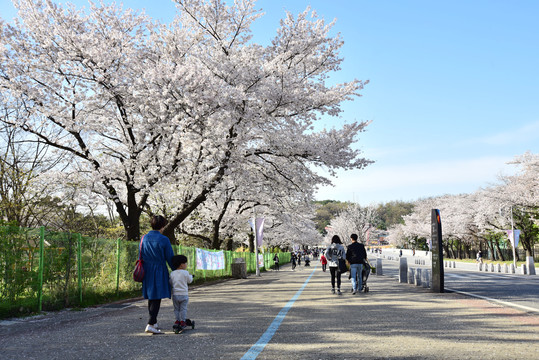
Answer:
(514, 240)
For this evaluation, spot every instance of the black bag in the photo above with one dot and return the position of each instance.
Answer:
(342, 266)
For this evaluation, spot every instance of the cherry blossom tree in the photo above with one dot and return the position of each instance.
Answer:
(354, 219)
(140, 105)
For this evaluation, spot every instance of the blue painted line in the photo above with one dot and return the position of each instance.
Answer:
(272, 329)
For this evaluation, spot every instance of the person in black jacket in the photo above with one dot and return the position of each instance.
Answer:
(356, 255)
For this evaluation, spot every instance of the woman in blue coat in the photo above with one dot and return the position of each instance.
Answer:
(156, 252)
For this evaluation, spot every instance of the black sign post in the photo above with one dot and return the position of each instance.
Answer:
(437, 252)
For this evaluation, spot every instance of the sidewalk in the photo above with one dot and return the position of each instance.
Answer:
(392, 321)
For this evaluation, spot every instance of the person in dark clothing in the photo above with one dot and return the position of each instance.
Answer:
(276, 262)
(356, 255)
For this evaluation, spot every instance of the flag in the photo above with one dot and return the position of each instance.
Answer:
(514, 242)
(259, 229)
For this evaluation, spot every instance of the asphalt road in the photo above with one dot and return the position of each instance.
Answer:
(520, 291)
(286, 315)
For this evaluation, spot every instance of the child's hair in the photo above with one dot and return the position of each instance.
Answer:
(177, 260)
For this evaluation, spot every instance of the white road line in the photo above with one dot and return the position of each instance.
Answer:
(504, 303)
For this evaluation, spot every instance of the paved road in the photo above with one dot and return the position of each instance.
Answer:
(521, 291)
(291, 315)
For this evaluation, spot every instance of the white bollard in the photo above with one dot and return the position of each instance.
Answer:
(523, 269)
(505, 268)
(499, 268)
(491, 267)
(479, 266)
(512, 270)
(454, 265)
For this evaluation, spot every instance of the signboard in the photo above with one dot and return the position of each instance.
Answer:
(210, 260)
(437, 252)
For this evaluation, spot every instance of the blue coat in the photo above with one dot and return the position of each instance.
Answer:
(156, 252)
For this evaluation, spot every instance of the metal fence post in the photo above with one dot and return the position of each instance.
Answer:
(118, 266)
(41, 263)
(79, 265)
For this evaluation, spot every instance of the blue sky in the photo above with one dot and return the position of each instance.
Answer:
(453, 92)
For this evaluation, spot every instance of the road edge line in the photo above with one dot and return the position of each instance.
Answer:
(501, 302)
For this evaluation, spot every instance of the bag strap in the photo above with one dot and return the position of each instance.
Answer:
(140, 249)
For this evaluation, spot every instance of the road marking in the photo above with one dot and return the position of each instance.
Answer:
(505, 303)
(257, 348)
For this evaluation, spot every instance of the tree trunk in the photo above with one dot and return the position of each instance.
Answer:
(499, 251)
(215, 242)
(229, 244)
(168, 231)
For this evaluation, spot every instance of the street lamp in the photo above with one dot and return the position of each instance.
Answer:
(512, 235)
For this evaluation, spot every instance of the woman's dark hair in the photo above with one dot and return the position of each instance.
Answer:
(177, 260)
(158, 222)
(336, 239)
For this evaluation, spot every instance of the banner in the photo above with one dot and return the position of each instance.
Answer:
(510, 236)
(260, 260)
(210, 260)
(259, 229)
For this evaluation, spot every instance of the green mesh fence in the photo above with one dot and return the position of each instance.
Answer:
(78, 271)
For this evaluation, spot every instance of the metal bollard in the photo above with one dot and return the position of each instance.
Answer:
(403, 270)
(411, 275)
(418, 277)
(531, 265)
(379, 270)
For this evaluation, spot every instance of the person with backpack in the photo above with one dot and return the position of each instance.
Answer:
(334, 252)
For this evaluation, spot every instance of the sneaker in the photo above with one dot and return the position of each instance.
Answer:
(333, 291)
(151, 329)
(354, 292)
(339, 292)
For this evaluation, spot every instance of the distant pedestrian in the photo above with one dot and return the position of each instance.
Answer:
(334, 252)
(324, 262)
(156, 252)
(299, 258)
(276, 262)
(400, 252)
(356, 255)
(479, 257)
(179, 278)
(293, 260)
